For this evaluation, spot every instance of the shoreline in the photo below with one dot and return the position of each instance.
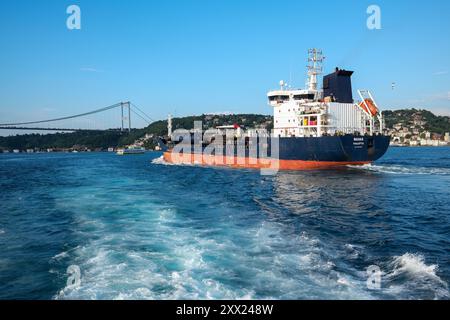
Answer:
(406, 146)
(151, 151)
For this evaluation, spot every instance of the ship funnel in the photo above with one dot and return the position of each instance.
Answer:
(337, 86)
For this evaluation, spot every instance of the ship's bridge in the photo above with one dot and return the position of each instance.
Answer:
(279, 97)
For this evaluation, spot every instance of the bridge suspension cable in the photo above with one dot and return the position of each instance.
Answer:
(63, 118)
(140, 116)
(146, 115)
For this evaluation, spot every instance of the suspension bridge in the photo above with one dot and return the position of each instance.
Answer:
(116, 117)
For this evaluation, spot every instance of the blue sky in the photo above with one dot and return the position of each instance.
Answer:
(192, 57)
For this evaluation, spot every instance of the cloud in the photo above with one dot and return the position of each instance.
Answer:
(48, 110)
(440, 73)
(90, 70)
(440, 96)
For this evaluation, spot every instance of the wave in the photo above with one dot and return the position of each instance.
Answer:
(396, 169)
(60, 256)
(352, 251)
(161, 161)
(413, 264)
(63, 255)
(410, 277)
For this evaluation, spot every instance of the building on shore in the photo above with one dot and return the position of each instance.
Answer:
(417, 135)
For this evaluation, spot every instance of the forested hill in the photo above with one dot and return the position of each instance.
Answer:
(419, 119)
(105, 139)
(212, 121)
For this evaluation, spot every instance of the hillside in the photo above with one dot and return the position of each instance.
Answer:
(105, 139)
(92, 140)
(210, 121)
(419, 119)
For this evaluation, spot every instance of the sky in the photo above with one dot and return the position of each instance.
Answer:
(209, 56)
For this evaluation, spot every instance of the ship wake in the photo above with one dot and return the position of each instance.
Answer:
(403, 170)
(161, 161)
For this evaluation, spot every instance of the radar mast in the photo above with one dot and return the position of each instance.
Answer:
(315, 60)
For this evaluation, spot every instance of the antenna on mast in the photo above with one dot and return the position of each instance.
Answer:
(315, 60)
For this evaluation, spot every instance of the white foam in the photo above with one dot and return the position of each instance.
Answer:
(410, 274)
(413, 264)
(343, 281)
(60, 256)
(2, 231)
(177, 262)
(161, 161)
(396, 169)
(352, 251)
(138, 294)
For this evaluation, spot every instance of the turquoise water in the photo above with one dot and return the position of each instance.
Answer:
(139, 228)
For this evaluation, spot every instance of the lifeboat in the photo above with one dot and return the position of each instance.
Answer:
(369, 106)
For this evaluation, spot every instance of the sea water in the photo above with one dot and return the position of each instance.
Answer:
(138, 228)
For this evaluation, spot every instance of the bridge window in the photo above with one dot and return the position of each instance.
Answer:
(280, 98)
(309, 96)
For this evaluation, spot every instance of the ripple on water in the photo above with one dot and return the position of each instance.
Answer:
(141, 229)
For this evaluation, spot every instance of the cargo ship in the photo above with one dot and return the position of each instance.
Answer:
(312, 128)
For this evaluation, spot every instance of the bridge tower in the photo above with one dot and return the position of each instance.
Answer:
(126, 105)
